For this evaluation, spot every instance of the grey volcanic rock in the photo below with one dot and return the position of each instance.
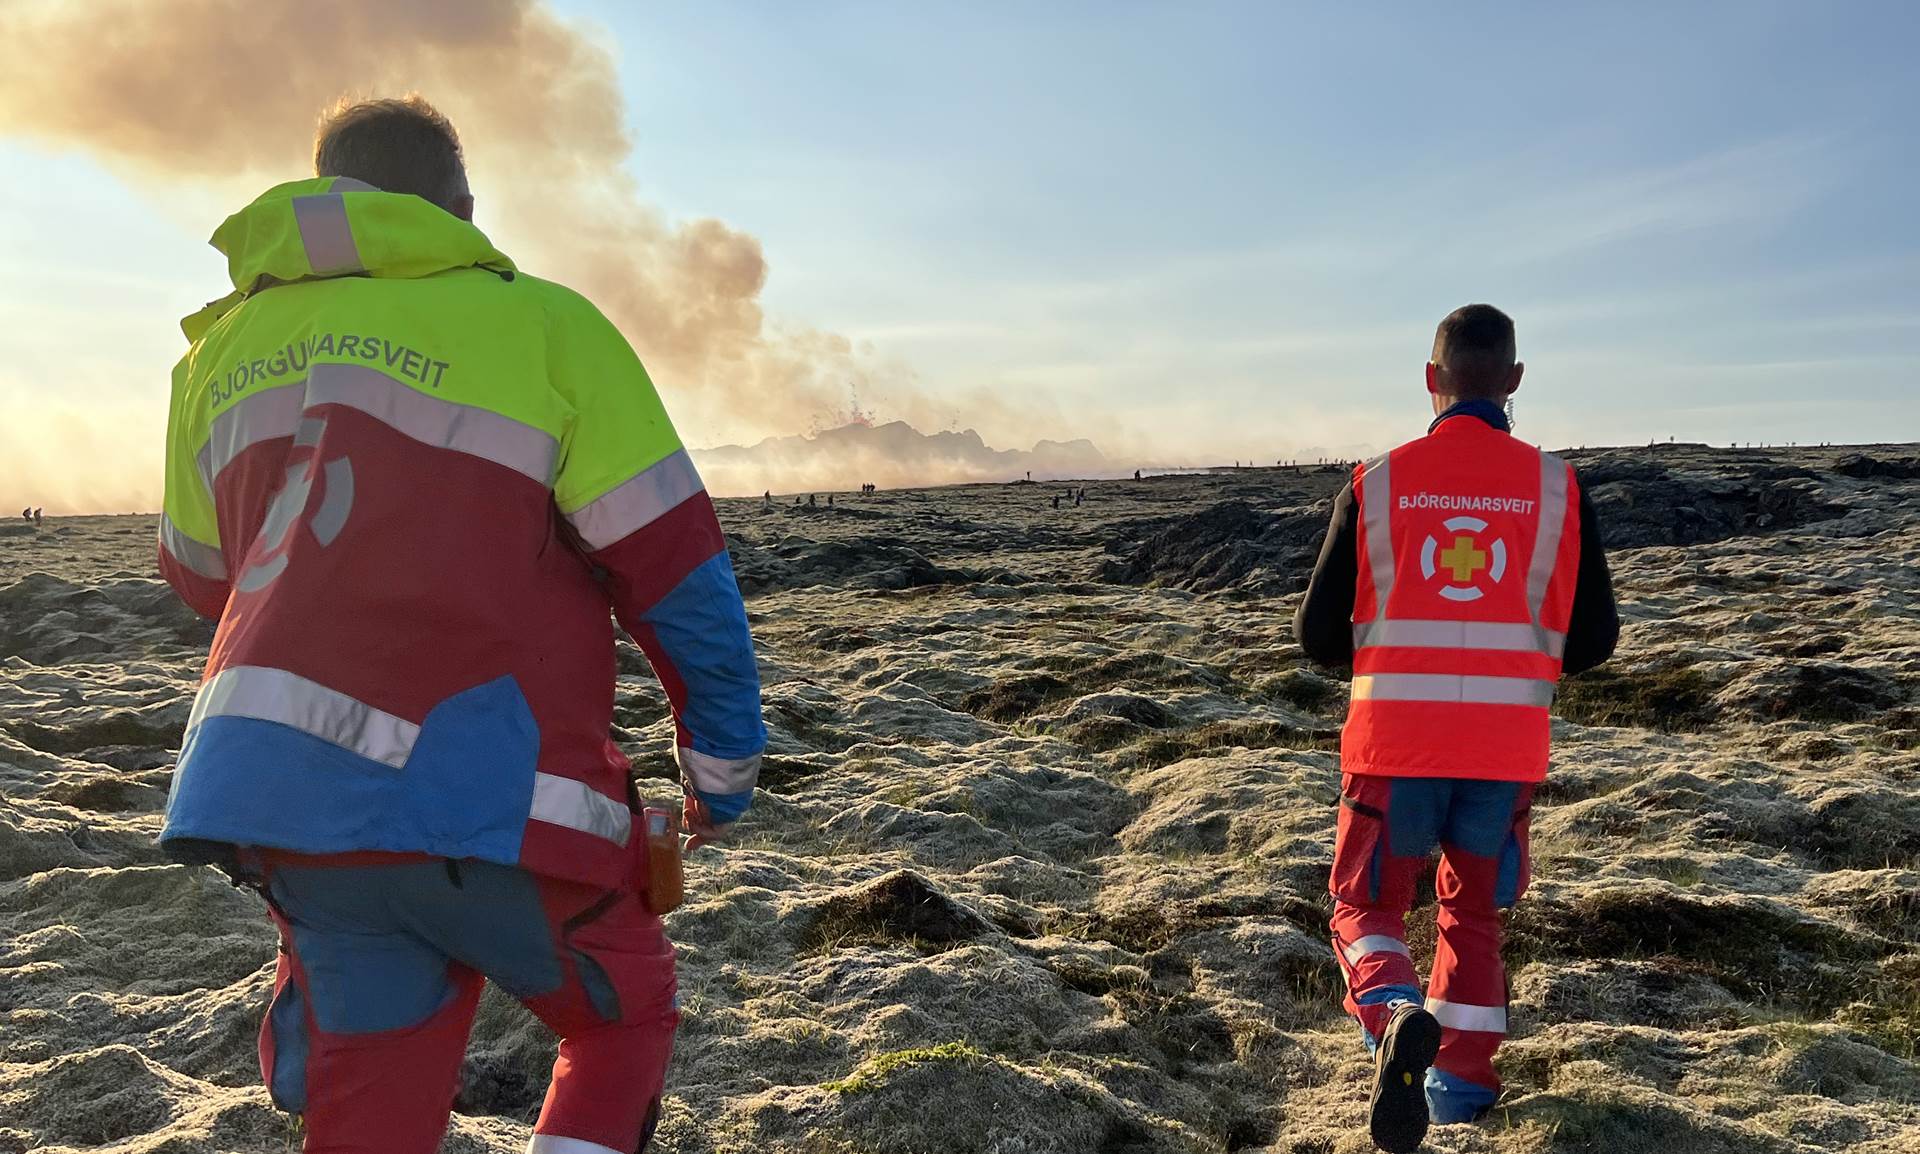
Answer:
(900, 907)
(1040, 860)
(797, 563)
(1642, 501)
(1862, 466)
(1231, 546)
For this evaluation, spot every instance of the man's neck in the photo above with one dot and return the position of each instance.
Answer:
(1491, 411)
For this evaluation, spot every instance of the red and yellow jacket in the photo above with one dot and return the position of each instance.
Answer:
(412, 483)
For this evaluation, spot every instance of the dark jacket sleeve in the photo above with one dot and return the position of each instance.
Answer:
(1595, 626)
(1323, 624)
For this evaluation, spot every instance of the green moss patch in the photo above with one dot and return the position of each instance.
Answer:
(1755, 949)
(1676, 699)
(871, 1074)
(1014, 698)
(1220, 736)
(900, 908)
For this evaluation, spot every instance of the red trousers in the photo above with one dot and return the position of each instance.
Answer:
(1388, 829)
(381, 968)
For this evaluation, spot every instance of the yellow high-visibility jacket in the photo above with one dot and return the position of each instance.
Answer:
(412, 483)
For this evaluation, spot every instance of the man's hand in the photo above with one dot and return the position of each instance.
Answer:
(699, 824)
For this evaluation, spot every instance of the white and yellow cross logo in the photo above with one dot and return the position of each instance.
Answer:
(1463, 559)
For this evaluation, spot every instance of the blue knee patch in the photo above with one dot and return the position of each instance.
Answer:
(358, 990)
(1451, 1098)
(287, 1022)
(1415, 809)
(498, 926)
(1480, 819)
(365, 975)
(599, 987)
(1506, 886)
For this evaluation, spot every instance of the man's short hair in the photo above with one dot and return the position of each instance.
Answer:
(1475, 345)
(402, 145)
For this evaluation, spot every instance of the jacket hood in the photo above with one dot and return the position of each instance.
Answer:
(336, 226)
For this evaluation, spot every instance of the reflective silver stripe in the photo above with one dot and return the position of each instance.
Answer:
(258, 577)
(432, 421)
(331, 516)
(1373, 944)
(638, 501)
(291, 501)
(1452, 687)
(325, 233)
(1498, 635)
(206, 560)
(556, 1144)
(718, 774)
(268, 694)
(1376, 511)
(261, 417)
(1458, 1016)
(577, 805)
(1546, 543)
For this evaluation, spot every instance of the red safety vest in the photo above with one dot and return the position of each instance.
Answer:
(1469, 546)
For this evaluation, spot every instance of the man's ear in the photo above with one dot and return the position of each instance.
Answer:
(1513, 382)
(463, 207)
(1433, 378)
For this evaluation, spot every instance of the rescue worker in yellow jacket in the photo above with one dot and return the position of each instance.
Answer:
(415, 485)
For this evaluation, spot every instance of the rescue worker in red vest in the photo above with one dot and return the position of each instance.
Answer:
(1462, 575)
(416, 486)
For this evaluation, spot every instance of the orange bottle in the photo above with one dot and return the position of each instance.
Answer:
(664, 886)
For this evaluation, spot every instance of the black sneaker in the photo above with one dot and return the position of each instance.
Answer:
(1397, 1111)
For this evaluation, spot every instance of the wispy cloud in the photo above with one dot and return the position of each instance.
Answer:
(1545, 215)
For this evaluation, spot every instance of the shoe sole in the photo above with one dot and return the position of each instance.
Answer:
(1397, 1111)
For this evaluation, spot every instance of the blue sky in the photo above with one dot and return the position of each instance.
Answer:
(1249, 216)
(1202, 231)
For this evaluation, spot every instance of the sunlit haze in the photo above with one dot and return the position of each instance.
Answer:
(1190, 234)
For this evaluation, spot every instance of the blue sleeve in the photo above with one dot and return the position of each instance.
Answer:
(697, 639)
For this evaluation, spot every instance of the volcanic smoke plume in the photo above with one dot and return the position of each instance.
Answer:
(228, 91)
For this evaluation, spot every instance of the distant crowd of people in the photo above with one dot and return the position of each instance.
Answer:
(1078, 496)
(812, 500)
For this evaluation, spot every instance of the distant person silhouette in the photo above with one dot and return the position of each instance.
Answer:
(1136, 474)
(813, 500)
(1056, 500)
(39, 517)
(829, 500)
